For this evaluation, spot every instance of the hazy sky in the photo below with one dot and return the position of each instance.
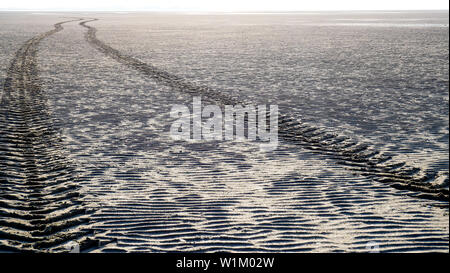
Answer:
(224, 5)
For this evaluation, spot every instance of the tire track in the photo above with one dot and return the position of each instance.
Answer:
(356, 156)
(41, 207)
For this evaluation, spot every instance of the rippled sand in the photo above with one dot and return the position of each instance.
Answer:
(142, 191)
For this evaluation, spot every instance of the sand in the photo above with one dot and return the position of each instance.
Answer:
(86, 157)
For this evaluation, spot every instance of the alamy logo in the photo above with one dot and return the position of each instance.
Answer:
(73, 247)
(237, 122)
(373, 247)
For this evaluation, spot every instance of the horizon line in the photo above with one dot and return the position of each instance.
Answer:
(220, 11)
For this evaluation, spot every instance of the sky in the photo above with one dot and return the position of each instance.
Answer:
(223, 5)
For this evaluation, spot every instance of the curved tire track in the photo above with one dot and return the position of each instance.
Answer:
(359, 157)
(41, 207)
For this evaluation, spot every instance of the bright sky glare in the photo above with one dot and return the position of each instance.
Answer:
(224, 5)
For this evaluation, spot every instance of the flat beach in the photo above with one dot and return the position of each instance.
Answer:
(86, 154)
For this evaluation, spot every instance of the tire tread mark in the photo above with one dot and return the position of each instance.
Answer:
(40, 203)
(348, 151)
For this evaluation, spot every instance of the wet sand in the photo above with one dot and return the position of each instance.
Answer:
(88, 150)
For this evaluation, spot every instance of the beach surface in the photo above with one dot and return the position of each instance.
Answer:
(86, 154)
